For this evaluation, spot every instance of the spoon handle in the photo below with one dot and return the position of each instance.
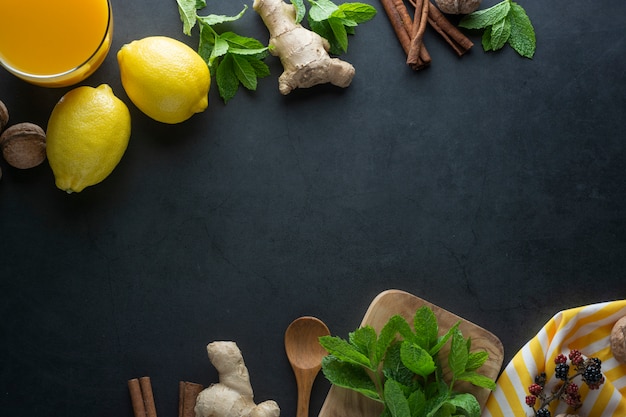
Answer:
(304, 381)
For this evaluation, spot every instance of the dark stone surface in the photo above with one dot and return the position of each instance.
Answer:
(490, 185)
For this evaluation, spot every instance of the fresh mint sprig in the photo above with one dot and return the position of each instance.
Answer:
(232, 59)
(505, 22)
(405, 373)
(334, 22)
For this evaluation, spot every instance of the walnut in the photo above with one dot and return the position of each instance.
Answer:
(618, 340)
(4, 116)
(457, 6)
(23, 145)
(4, 120)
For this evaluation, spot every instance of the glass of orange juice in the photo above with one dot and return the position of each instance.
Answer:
(54, 43)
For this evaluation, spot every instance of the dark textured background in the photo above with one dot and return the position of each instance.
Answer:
(490, 185)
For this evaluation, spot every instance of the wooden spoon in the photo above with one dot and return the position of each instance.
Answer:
(305, 356)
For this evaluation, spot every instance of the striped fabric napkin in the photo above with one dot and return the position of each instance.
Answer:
(587, 329)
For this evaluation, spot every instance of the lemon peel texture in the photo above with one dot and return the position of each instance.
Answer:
(87, 135)
(164, 78)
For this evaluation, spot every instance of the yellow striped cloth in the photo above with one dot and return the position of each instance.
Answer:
(587, 329)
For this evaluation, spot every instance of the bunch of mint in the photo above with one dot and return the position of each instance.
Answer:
(406, 374)
(504, 22)
(334, 22)
(232, 59)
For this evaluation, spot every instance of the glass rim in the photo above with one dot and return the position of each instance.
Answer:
(45, 77)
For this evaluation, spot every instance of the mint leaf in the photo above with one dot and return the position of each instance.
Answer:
(475, 360)
(300, 9)
(443, 339)
(214, 19)
(486, 39)
(477, 379)
(187, 12)
(242, 42)
(226, 79)
(417, 359)
(393, 368)
(340, 35)
(396, 324)
(417, 402)
(349, 376)
(500, 32)
(321, 28)
(395, 401)
(344, 351)
(364, 339)
(437, 405)
(260, 68)
(458, 355)
(358, 12)
(504, 22)
(426, 328)
(334, 23)
(480, 19)
(206, 43)
(321, 9)
(232, 59)
(220, 48)
(522, 37)
(244, 71)
(467, 402)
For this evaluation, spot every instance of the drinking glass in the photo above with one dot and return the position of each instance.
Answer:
(54, 43)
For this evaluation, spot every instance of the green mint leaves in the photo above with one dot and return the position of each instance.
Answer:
(233, 59)
(334, 22)
(504, 22)
(404, 373)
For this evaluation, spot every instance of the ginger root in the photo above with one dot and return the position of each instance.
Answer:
(303, 53)
(232, 396)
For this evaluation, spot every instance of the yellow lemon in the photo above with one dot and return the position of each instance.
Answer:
(87, 135)
(164, 78)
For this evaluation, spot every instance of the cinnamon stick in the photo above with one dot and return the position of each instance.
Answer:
(455, 38)
(401, 22)
(410, 32)
(450, 33)
(139, 410)
(398, 16)
(142, 398)
(148, 396)
(420, 19)
(187, 394)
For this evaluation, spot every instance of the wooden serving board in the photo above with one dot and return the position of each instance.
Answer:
(341, 402)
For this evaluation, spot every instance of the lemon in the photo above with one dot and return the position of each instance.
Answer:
(164, 78)
(87, 135)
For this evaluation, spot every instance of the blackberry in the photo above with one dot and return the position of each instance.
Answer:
(561, 371)
(541, 379)
(573, 401)
(592, 375)
(576, 357)
(560, 358)
(543, 412)
(535, 389)
(572, 389)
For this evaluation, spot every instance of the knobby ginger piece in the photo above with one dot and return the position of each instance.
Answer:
(233, 395)
(303, 53)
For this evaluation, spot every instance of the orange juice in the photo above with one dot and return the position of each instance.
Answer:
(54, 43)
